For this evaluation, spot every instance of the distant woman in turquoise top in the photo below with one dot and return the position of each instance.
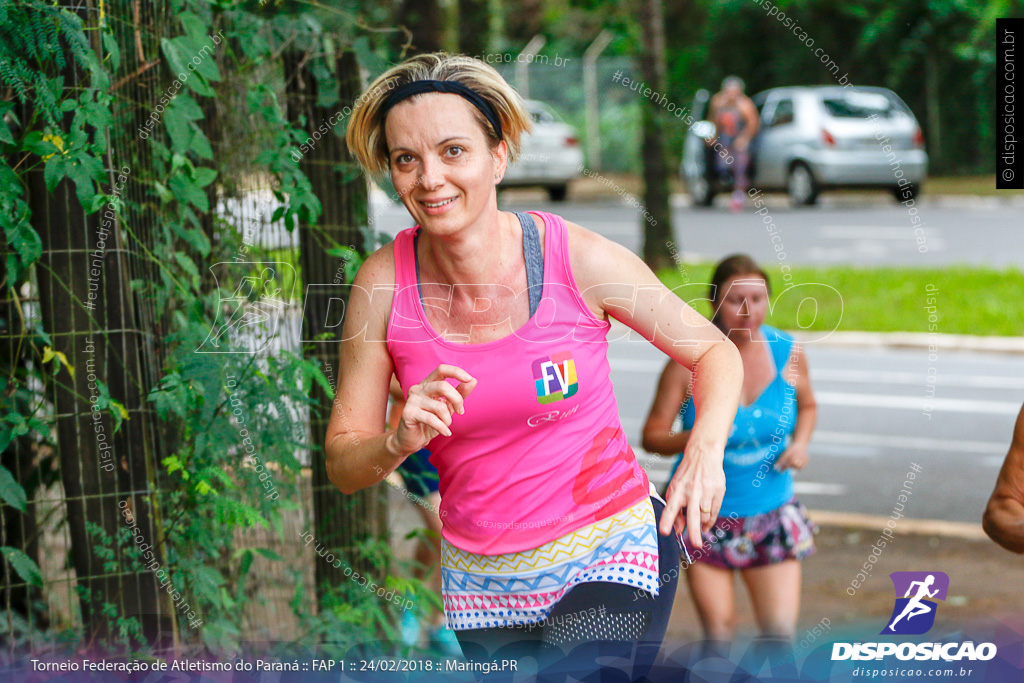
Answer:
(762, 530)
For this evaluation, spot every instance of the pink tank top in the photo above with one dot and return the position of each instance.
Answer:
(540, 451)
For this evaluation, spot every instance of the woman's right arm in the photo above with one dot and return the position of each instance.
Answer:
(359, 453)
(673, 388)
(1004, 515)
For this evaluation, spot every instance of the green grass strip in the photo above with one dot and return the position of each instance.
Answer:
(964, 299)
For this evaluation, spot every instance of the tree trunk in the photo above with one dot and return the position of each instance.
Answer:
(495, 25)
(658, 222)
(103, 473)
(931, 86)
(426, 20)
(474, 25)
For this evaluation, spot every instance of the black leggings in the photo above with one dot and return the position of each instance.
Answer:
(595, 619)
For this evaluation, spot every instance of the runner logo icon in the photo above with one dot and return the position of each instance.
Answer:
(914, 612)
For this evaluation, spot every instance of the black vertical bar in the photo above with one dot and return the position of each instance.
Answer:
(1009, 95)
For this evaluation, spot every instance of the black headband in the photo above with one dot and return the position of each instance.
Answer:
(452, 87)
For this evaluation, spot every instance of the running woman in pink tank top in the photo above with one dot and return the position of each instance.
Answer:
(547, 514)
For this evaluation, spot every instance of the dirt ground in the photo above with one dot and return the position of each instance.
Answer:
(985, 582)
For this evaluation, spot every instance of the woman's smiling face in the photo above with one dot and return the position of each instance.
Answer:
(442, 164)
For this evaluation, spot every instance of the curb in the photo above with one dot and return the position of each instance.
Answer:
(920, 527)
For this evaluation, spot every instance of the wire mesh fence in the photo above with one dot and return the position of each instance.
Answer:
(100, 466)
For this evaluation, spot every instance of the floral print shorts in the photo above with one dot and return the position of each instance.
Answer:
(743, 542)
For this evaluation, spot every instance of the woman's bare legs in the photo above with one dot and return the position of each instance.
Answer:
(775, 593)
(715, 599)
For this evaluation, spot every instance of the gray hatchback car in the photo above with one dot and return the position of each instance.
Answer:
(813, 138)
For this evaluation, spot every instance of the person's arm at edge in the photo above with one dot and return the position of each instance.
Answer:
(395, 389)
(396, 403)
(1004, 516)
(712, 113)
(806, 412)
(753, 123)
(672, 391)
(358, 452)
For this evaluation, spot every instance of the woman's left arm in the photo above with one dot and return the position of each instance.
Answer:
(795, 455)
(616, 282)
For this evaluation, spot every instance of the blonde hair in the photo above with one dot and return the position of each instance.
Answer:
(365, 136)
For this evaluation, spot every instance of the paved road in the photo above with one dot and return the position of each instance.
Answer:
(865, 230)
(873, 423)
(872, 420)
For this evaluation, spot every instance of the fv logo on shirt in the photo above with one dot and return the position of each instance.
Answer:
(555, 377)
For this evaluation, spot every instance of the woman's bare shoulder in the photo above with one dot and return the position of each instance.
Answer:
(593, 258)
(376, 277)
(585, 247)
(379, 267)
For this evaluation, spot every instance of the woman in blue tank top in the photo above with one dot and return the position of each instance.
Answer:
(762, 529)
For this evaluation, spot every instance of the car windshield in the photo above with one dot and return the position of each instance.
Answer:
(542, 116)
(860, 105)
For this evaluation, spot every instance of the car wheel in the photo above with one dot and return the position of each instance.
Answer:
(902, 194)
(701, 191)
(558, 193)
(803, 189)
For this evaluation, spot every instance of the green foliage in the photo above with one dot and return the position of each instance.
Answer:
(33, 41)
(237, 420)
(36, 41)
(10, 490)
(938, 55)
(23, 565)
(33, 33)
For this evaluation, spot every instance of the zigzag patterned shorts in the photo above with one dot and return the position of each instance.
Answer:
(600, 604)
(521, 588)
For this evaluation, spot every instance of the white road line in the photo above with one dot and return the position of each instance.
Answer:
(814, 488)
(952, 405)
(646, 366)
(915, 378)
(909, 442)
(873, 232)
(856, 444)
(838, 450)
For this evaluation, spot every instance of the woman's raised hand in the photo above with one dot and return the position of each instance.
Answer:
(694, 495)
(430, 405)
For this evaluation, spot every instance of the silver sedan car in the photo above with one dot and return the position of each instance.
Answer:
(550, 157)
(813, 138)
